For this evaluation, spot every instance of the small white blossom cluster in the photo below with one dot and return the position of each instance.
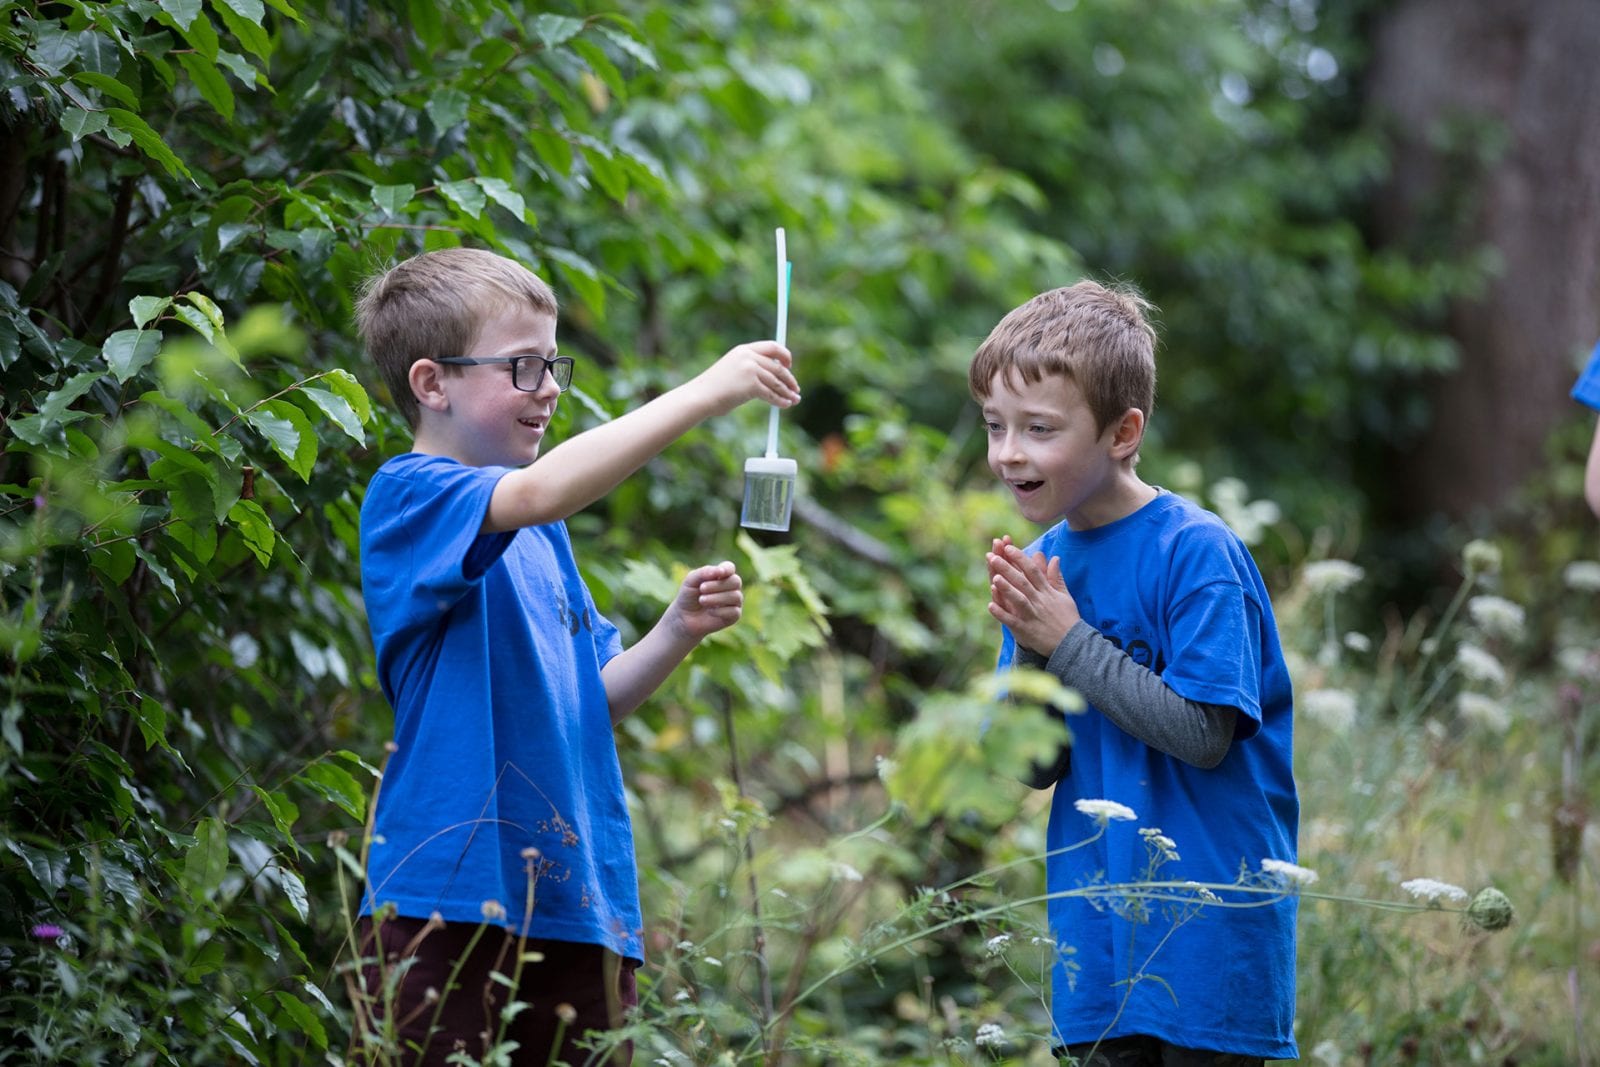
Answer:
(1291, 875)
(989, 1034)
(1333, 708)
(1332, 575)
(1480, 666)
(1431, 889)
(1203, 893)
(1103, 811)
(1497, 616)
(1582, 575)
(997, 944)
(1483, 711)
(1164, 847)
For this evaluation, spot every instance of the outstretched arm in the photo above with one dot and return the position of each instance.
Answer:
(710, 599)
(585, 468)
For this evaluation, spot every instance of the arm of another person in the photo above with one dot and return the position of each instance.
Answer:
(1591, 473)
(1030, 597)
(585, 468)
(710, 599)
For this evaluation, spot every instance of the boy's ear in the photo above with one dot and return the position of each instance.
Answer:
(1127, 433)
(427, 385)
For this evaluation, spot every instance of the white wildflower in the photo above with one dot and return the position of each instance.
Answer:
(1582, 575)
(1156, 839)
(1291, 875)
(1497, 616)
(997, 944)
(1481, 557)
(1334, 708)
(1332, 575)
(1357, 642)
(1480, 666)
(1203, 893)
(1484, 711)
(1578, 661)
(843, 872)
(1431, 889)
(1105, 810)
(1046, 942)
(1328, 1054)
(990, 1034)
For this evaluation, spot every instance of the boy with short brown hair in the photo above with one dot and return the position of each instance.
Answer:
(502, 807)
(1153, 610)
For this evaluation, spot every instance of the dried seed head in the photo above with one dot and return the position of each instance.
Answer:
(566, 1013)
(1490, 910)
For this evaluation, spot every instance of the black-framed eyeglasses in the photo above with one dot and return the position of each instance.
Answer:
(560, 368)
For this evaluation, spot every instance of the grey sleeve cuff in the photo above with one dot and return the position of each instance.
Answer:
(1138, 701)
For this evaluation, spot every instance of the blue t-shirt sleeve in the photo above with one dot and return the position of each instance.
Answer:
(421, 546)
(1214, 632)
(1587, 389)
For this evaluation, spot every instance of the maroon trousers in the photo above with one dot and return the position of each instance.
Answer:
(442, 998)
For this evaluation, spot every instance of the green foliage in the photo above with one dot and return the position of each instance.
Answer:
(190, 727)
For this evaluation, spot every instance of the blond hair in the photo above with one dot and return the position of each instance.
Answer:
(1098, 336)
(434, 305)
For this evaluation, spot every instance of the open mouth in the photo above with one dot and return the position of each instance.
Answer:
(1025, 487)
(532, 424)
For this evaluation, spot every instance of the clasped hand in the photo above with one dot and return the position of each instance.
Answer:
(1029, 596)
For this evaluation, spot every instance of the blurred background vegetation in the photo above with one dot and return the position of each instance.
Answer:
(1373, 233)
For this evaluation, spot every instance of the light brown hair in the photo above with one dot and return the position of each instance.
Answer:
(1098, 336)
(434, 305)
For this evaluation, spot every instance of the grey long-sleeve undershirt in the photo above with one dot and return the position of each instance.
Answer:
(1134, 698)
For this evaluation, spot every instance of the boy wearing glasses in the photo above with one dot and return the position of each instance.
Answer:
(501, 840)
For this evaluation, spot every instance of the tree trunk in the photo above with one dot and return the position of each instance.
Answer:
(1528, 68)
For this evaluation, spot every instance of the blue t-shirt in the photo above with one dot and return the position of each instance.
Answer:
(1174, 588)
(1587, 389)
(489, 649)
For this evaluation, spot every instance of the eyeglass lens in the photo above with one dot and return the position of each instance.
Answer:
(527, 372)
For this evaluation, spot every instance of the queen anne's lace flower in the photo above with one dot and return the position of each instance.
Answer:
(1479, 665)
(1497, 616)
(1332, 575)
(1291, 875)
(1333, 708)
(1105, 810)
(1481, 557)
(1431, 889)
(989, 1034)
(1484, 711)
(1582, 575)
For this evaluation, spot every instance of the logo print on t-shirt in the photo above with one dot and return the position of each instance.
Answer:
(572, 620)
(1138, 649)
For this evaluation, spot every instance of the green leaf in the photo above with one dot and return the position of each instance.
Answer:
(302, 1017)
(608, 172)
(146, 309)
(152, 720)
(447, 108)
(206, 862)
(554, 149)
(80, 123)
(392, 199)
(427, 22)
(338, 786)
(55, 405)
(149, 142)
(183, 12)
(49, 869)
(256, 528)
(207, 307)
(339, 410)
(289, 432)
(466, 195)
(555, 30)
(114, 560)
(109, 85)
(127, 352)
(284, 811)
(350, 391)
(635, 48)
(295, 890)
(210, 81)
(500, 192)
